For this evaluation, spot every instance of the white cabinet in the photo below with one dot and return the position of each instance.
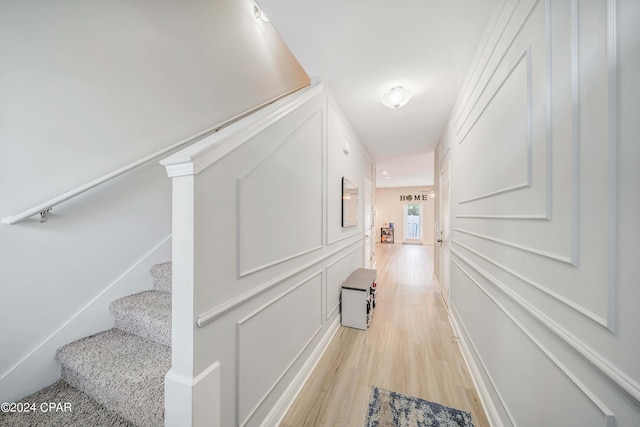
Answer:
(359, 298)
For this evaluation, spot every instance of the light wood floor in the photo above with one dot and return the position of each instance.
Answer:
(408, 348)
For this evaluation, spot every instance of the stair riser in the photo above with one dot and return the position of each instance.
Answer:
(143, 414)
(123, 372)
(156, 332)
(161, 274)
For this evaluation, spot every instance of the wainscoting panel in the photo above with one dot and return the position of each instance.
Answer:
(514, 181)
(337, 273)
(545, 218)
(263, 356)
(536, 286)
(486, 140)
(282, 195)
(251, 218)
(586, 408)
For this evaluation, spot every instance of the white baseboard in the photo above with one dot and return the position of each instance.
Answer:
(203, 392)
(38, 368)
(467, 354)
(283, 404)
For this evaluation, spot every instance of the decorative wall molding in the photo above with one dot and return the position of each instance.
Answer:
(262, 267)
(283, 404)
(612, 202)
(618, 378)
(297, 137)
(469, 350)
(529, 249)
(467, 94)
(570, 304)
(358, 233)
(575, 132)
(330, 313)
(609, 416)
(231, 305)
(458, 127)
(532, 217)
(202, 154)
(240, 323)
(523, 60)
(611, 133)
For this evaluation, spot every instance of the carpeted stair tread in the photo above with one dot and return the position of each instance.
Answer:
(161, 274)
(80, 410)
(146, 314)
(122, 371)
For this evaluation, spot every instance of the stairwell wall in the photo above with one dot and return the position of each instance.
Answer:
(86, 89)
(544, 204)
(259, 258)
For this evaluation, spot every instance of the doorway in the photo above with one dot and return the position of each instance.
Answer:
(369, 261)
(444, 231)
(413, 221)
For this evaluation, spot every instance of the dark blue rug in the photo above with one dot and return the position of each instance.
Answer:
(391, 409)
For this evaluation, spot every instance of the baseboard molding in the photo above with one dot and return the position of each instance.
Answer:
(467, 354)
(283, 404)
(38, 368)
(181, 394)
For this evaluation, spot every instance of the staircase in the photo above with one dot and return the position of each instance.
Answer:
(115, 377)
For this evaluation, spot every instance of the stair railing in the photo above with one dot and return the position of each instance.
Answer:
(45, 207)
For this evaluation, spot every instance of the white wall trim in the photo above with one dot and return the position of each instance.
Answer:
(579, 309)
(575, 133)
(532, 217)
(468, 349)
(606, 368)
(202, 154)
(202, 390)
(231, 305)
(564, 259)
(282, 406)
(239, 324)
(467, 93)
(246, 273)
(549, 110)
(502, 57)
(612, 53)
(361, 234)
(240, 272)
(330, 265)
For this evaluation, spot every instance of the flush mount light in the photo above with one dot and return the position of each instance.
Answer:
(396, 97)
(259, 13)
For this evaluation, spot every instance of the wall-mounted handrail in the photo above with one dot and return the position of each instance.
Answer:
(44, 207)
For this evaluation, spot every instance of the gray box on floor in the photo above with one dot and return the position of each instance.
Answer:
(358, 298)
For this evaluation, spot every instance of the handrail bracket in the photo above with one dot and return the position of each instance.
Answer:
(44, 213)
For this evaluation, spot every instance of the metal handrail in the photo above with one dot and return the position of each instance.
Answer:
(45, 207)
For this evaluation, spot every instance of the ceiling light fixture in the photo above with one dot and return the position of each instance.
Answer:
(396, 97)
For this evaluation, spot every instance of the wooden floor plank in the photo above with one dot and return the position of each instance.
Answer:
(409, 348)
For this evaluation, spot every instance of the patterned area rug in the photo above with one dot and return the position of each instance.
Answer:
(391, 409)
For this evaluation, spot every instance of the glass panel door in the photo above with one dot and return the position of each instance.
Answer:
(412, 221)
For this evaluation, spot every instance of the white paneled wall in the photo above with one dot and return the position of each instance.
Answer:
(539, 293)
(259, 257)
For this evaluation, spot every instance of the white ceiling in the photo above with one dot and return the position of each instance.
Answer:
(364, 48)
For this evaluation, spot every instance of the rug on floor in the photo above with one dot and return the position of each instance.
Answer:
(391, 409)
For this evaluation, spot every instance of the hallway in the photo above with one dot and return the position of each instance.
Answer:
(408, 348)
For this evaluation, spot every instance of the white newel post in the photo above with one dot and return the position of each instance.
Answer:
(191, 399)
